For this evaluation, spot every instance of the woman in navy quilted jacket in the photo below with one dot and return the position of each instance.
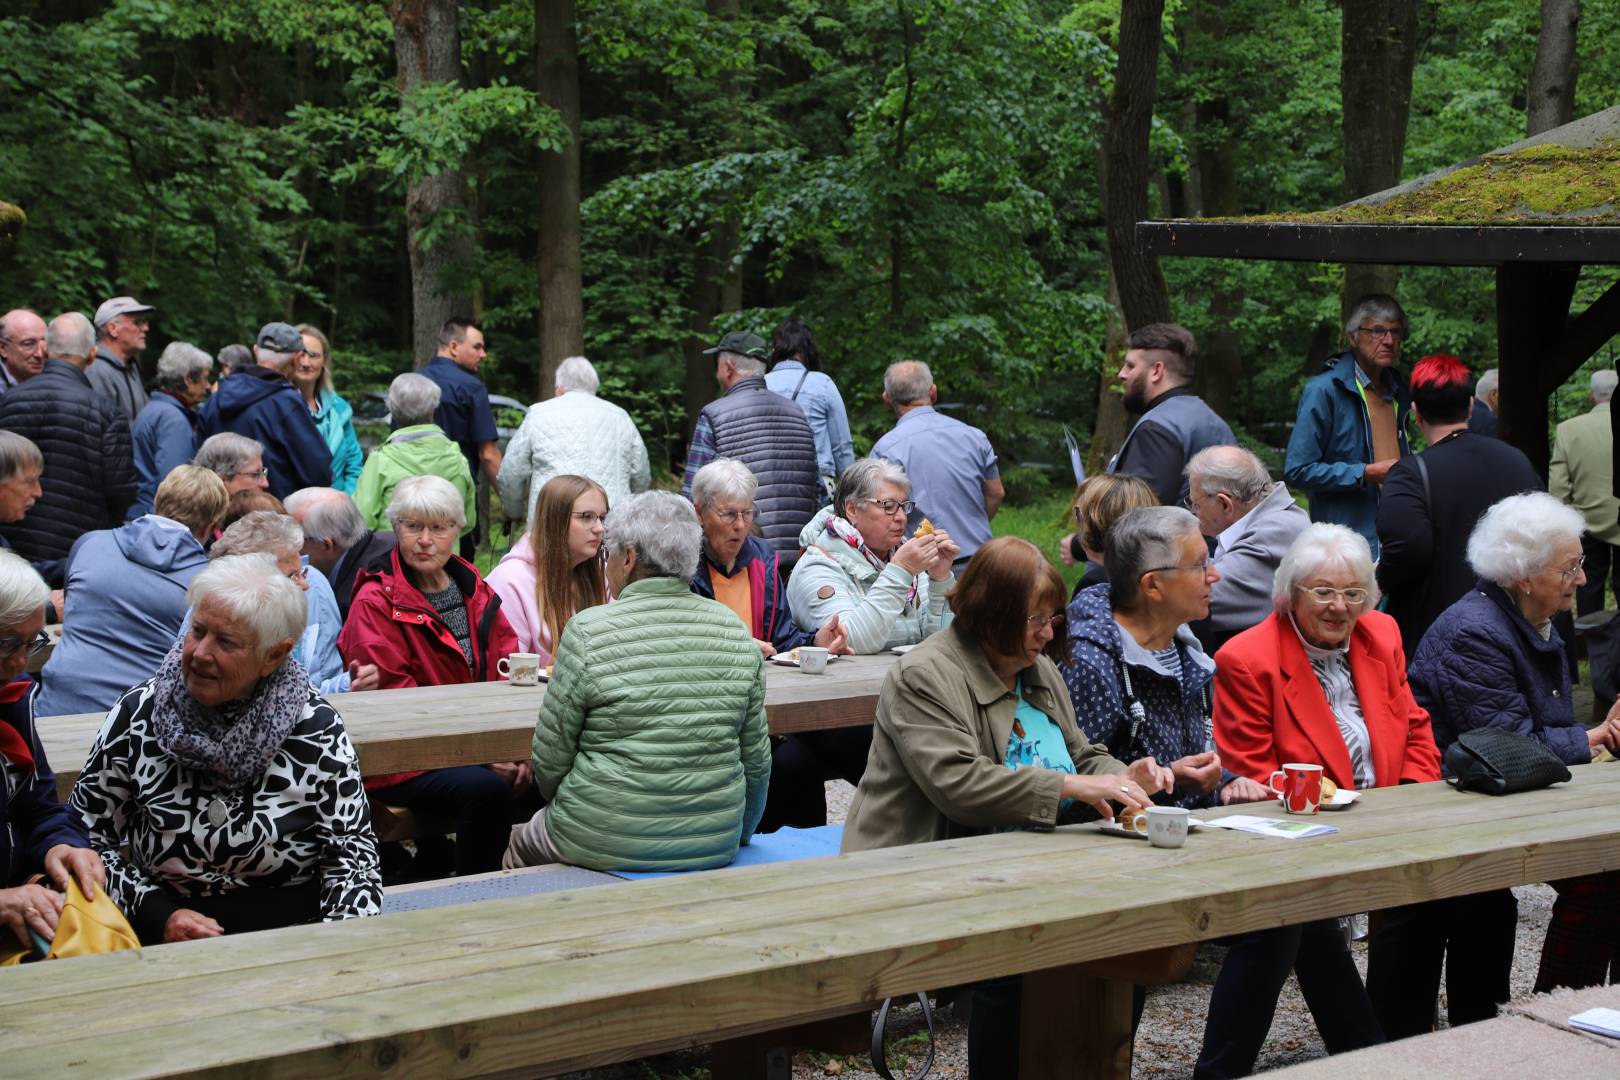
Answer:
(1493, 659)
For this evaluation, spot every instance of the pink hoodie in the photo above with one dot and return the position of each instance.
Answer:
(513, 581)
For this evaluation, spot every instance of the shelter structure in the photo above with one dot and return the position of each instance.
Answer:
(1537, 211)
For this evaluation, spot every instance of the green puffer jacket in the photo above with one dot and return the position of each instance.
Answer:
(418, 450)
(652, 749)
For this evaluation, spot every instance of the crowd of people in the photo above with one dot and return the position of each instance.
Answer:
(222, 557)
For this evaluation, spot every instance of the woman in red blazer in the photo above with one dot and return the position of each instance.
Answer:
(1323, 680)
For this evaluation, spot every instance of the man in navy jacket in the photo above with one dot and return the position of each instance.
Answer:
(260, 403)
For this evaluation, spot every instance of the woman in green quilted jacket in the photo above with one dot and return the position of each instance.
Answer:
(651, 749)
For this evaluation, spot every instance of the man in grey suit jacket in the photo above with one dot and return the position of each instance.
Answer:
(1250, 522)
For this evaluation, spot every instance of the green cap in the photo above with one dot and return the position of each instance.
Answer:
(742, 343)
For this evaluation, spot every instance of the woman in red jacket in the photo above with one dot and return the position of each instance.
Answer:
(425, 617)
(1322, 681)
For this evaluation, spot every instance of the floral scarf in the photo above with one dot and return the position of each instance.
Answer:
(849, 534)
(235, 741)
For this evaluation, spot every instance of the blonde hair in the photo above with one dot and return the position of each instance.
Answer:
(326, 353)
(193, 496)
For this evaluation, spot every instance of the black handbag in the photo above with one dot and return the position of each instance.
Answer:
(1500, 763)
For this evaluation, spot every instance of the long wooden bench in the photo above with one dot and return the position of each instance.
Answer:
(541, 985)
(435, 727)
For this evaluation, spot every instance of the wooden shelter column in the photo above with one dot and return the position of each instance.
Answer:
(1532, 307)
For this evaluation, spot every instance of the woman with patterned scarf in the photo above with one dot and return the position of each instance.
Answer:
(224, 795)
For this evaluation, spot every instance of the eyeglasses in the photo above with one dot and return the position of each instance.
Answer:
(36, 644)
(1568, 573)
(731, 517)
(1201, 567)
(589, 518)
(1035, 622)
(889, 506)
(1322, 596)
(1379, 333)
(438, 529)
(256, 474)
(299, 575)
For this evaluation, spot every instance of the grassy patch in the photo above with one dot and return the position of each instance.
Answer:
(1043, 524)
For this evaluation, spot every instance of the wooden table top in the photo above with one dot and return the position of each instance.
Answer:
(435, 727)
(576, 979)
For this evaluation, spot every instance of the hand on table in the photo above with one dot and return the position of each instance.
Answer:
(1242, 790)
(31, 907)
(1152, 776)
(1197, 772)
(188, 925)
(766, 649)
(1100, 792)
(82, 863)
(363, 677)
(1606, 735)
(834, 638)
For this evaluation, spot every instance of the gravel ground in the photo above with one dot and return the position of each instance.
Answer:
(1166, 1045)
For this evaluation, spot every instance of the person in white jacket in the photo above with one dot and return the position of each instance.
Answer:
(574, 432)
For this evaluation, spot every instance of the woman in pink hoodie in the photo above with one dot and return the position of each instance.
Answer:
(555, 569)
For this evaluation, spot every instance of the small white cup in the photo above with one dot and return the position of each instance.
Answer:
(812, 659)
(1167, 826)
(520, 668)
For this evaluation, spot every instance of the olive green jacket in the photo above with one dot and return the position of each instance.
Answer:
(939, 742)
(1582, 471)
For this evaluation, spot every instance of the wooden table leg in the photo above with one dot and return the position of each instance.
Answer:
(766, 1055)
(1075, 1027)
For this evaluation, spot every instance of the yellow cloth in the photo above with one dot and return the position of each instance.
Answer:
(86, 927)
(736, 592)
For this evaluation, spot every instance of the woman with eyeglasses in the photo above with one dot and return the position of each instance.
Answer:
(1494, 659)
(555, 569)
(425, 617)
(858, 565)
(1321, 681)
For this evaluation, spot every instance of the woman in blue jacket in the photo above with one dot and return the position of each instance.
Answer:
(312, 375)
(37, 833)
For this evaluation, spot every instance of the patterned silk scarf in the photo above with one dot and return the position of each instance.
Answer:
(235, 741)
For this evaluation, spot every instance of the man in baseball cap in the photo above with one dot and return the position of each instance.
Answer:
(121, 325)
(259, 402)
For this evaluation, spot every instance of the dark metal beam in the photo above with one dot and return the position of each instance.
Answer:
(1532, 310)
(1412, 245)
(1583, 337)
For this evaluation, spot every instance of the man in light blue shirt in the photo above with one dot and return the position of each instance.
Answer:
(952, 466)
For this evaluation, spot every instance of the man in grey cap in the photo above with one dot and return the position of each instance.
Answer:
(260, 403)
(121, 336)
(766, 432)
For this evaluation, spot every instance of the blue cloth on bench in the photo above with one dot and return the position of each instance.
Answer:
(783, 845)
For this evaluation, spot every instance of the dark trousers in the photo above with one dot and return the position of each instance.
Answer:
(1583, 939)
(800, 767)
(1602, 576)
(1245, 998)
(1470, 936)
(475, 802)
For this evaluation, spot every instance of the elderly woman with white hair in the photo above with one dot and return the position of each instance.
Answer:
(235, 459)
(417, 447)
(652, 749)
(164, 435)
(1493, 659)
(425, 617)
(223, 794)
(1323, 681)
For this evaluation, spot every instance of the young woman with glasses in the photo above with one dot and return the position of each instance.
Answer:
(554, 570)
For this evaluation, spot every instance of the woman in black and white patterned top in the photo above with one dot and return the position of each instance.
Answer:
(224, 794)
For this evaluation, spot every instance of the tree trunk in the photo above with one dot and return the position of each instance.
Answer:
(562, 303)
(1109, 432)
(1221, 362)
(427, 45)
(1378, 48)
(1142, 293)
(1551, 100)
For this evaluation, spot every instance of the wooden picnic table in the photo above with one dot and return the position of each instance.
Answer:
(545, 984)
(435, 727)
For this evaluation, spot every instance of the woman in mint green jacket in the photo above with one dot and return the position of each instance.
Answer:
(312, 375)
(417, 447)
(652, 749)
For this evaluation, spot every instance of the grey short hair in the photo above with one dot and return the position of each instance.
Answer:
(1142, 540)
(227, 453)
(663, 530)
(907, 381)
(412, 399)
(233, 358)
(747, 366)
(70, 334)
(260, 532)
(327, 514)
(1487, 384)
(18, 452)
(1374, 306)
(724, 479)
(1231, 469)
(256, 593)
(860, 482)
(182, 361)
(1603, 383)
(22, 591)
(577, 374)
(1514, 539)
(271, 358)
(1319, 546)
(428, 499)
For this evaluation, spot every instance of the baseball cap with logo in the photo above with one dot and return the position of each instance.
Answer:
(281, 338)
(742, 343)
(119, 305)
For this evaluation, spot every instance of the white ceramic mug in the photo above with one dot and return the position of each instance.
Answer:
(1167, 826)
(812, 659)
(520, 668)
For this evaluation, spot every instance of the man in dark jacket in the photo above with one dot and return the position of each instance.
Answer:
(260, 403)
(89, 477)
(1487, 395)
(336, 538)
(1431, 501)
(1160, 362)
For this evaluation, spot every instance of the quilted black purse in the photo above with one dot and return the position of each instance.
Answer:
(1499, 763)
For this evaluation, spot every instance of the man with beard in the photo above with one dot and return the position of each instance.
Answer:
(1160, 362)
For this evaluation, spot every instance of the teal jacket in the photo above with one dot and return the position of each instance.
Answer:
(652, 749)
(336, 422)
(418, 450)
